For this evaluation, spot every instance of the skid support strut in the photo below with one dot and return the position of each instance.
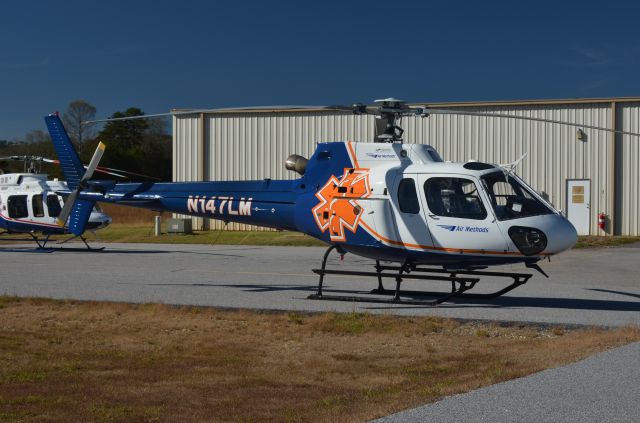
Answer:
(461, 281)
(41, 242)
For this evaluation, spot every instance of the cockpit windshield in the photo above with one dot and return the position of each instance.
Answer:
(511, 199)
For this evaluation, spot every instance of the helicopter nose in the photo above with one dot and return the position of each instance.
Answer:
(107, 221)
(103, 220)
(561, 235)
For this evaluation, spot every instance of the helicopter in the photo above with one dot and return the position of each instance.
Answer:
(399, 204)
(29, 203)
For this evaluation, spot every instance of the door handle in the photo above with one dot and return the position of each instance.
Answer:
(433, 216)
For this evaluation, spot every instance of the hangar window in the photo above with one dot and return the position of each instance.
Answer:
(408, 197)
(454, 197)
(37, 206)
(17, 205)
(53, 204)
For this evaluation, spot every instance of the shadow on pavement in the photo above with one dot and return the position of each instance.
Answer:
(537, 302)
(610, 291)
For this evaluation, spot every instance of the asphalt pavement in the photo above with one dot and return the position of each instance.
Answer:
(602, 388)
(586, 287)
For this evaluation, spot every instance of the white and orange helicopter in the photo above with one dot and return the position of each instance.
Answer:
(399, 204)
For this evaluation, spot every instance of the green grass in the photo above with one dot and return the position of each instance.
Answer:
(144, 233)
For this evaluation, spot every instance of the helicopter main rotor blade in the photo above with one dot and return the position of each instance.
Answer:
(534, 119)
(112, 171)
(227, 110)
(108, 170)
(385, 108)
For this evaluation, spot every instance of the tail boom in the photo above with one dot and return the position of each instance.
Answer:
(264, 203)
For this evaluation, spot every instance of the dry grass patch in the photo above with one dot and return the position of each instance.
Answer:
(84, 361)
(605, 241)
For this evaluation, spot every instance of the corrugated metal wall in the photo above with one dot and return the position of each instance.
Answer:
(628, 174)
(255, 145)
(188, 153)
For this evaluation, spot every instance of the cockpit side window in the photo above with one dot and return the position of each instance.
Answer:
(454, 197)
(37, 206)
(408, 197)
(53, 204)
(17, 205)
(510, 199)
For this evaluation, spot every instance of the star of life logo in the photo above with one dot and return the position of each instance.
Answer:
(338, 208)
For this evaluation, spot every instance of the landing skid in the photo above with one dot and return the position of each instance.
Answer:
(461, 281)
(88, 249)
(42, 244)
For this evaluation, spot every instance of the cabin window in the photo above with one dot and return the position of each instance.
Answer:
(408, 197)
(17, 205)
(454, 197)
(53, 204)
(37, 206)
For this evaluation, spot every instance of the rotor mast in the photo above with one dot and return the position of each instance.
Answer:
(389, 112)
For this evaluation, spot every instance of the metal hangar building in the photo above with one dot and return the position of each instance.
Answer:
(583, 172)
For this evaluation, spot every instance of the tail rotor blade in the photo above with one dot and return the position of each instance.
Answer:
(93, 164)
(68, 206)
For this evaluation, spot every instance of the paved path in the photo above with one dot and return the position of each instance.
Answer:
(594, 287)
(602, 388)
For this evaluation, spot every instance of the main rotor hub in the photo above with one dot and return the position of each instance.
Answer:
(388, 113)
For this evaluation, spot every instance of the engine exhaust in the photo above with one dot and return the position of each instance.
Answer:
(296, 163)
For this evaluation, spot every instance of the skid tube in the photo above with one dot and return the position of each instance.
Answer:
(459, 284)
(88, 249)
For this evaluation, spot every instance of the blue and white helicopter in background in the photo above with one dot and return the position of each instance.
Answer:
(30, 203)
(399, 204)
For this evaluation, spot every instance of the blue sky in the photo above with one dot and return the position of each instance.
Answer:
(158, 55)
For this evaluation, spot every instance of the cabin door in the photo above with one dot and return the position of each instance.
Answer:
(459, 215)
(412, 229)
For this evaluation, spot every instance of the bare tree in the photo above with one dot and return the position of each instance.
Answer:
(78, 112)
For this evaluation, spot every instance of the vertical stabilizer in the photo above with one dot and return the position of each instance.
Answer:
(70, 163)
(77, 211)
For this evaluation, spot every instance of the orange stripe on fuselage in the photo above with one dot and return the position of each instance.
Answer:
(431, 247)
(352, 153)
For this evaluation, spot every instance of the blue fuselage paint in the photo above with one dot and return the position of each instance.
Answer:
(17, 226)
(265, 203)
